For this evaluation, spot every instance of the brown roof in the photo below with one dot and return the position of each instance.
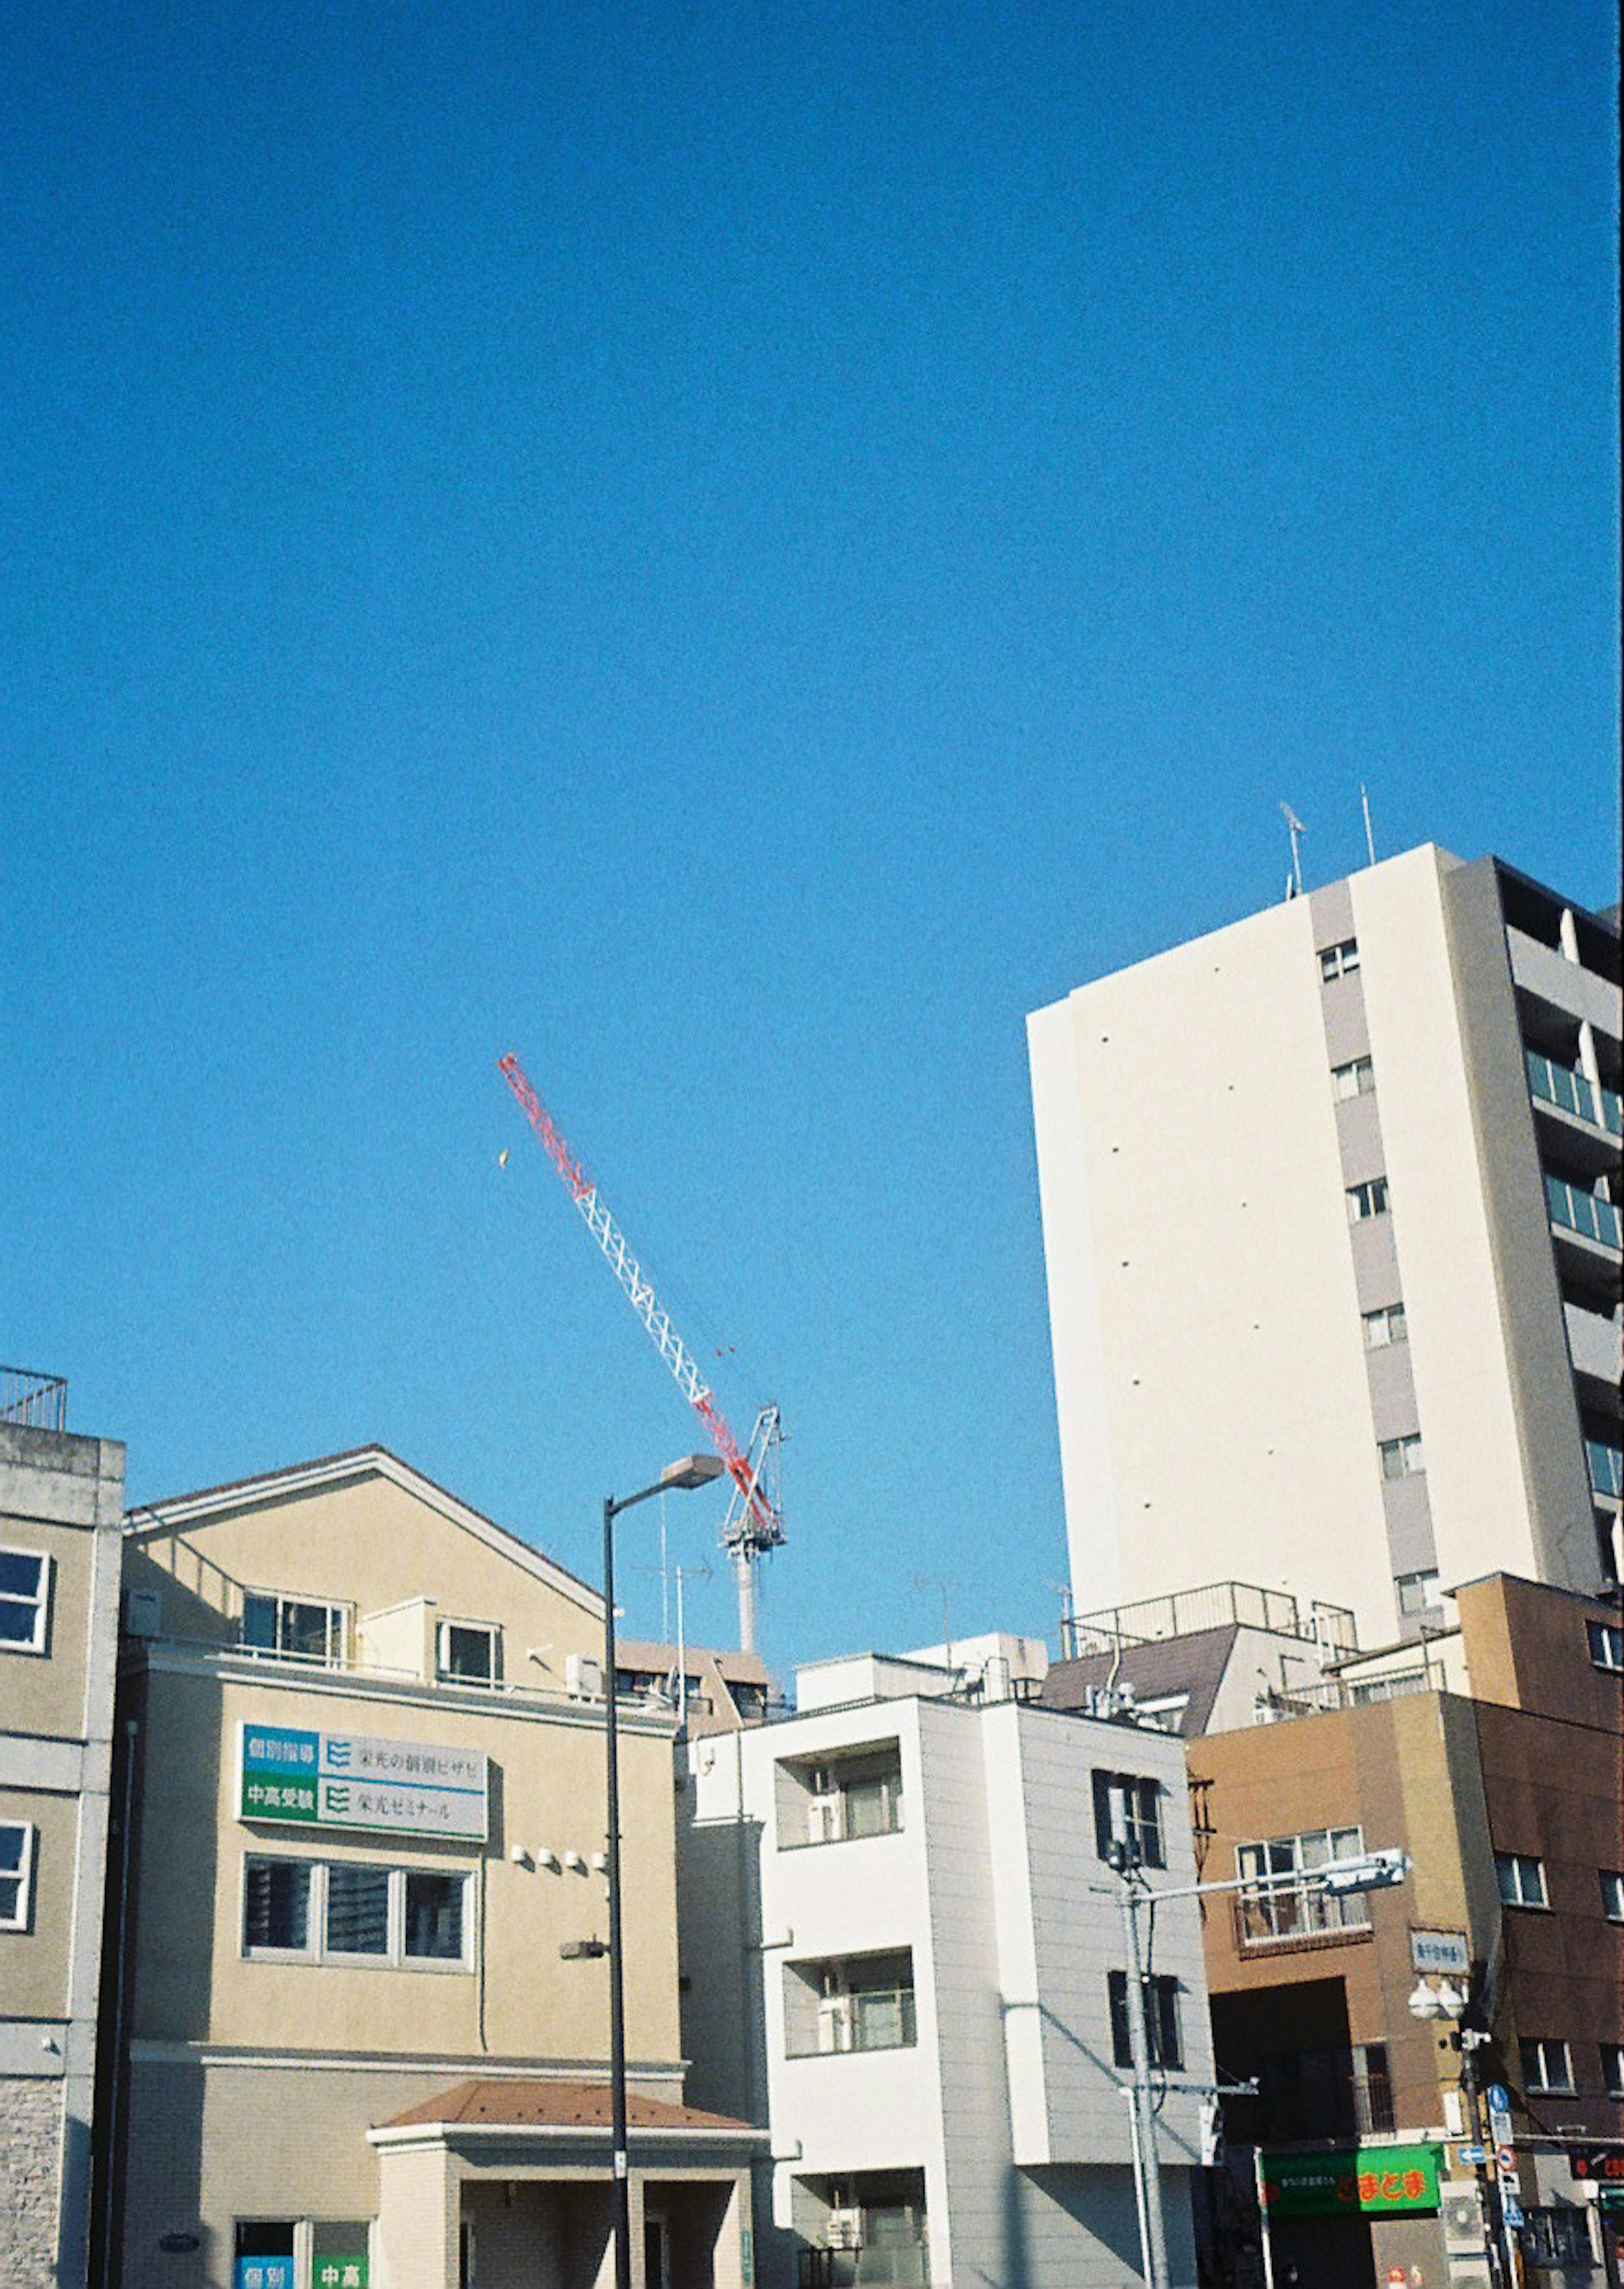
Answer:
(509, 2102)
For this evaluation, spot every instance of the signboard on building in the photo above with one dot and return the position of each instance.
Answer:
(1352, 2181)
(350, 1780)
(1603, 2164)
(1439, 1951)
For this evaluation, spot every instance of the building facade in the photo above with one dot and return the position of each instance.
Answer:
(1331, 1205)
(903, 1949)
(62, 1503)
(365, 2018)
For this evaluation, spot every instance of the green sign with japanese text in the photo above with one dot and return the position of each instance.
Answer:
(1352, 2181)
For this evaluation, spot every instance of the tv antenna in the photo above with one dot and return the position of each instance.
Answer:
(1293, 827)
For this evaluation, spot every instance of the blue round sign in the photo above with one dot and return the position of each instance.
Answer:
(1498, 2098)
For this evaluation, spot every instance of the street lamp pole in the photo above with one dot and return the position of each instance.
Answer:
(692, 1471)
(1146, 2161)
(1452, 2003)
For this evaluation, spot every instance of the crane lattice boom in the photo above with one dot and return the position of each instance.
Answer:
(754, 1521)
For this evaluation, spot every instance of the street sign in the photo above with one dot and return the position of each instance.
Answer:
(1602, 2163)
(1439, 1951)
(1471, 2157)
(1496, 2098)
(1510, 2209)
(1505, 2161)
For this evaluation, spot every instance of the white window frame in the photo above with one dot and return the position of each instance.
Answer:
(21, 1918)
(1130, 1804)
(1514, 1866)
(1386, 1326)
(1542, 2053)
(1339, 960)
(1293, 1911)
(1418, 1592)
(445, 1675)
(1402, 1458)
(338, 1617)
(1607, 1643)
(1367, 1201)
(1613, 2068)
(1612, 1894)
(40, 1601)
(316, 1950)
(1356, 1078)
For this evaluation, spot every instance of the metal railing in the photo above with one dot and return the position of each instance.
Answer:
(1574, 1092)
(38, 1400)
(895, 2264)
(1297, 1914)
(1587, 1213)
(1329, 1692)
(1606, 1467)
(873, 2019)
(1214, 1606)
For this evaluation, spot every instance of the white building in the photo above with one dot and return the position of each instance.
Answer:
(1331, 1214)
(903, 1949)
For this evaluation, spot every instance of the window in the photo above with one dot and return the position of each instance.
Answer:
(1128, 1809)
(352, 1912)
(337, 2253)
(1385, 1326)
(16, 1874)
(1339, 960)
(1418, 1593)
(1357, 1078)
(1553, 2236)
(265, 2254)
(1522, 1879)
(1160, 2021)
(1545, 2065)
(1367, 1200)
(1613, 1894)
(858, 1796)
(1606, 1644)
(1402, 1458)
(1287, 1903)
(25, 1576)
(469, 1653)
(1612, 2069)
(297, 1628)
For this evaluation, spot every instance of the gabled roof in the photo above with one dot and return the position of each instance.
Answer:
(358, 1462)
(513, 2103)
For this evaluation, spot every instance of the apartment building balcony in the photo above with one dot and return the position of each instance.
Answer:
(1606, 1467)
(869, 2227)
(841, 1798)
(1594, 1344)
(849, 2003)
(1567, 1090)
(1588, 1218)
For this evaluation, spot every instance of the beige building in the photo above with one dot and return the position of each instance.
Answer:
(61, 1499)
(361, 2041)
(1331, 1215)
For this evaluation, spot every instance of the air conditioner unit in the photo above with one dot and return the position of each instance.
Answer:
(823, 1819)
(845, 2230)
(583, 1677)
(143, 1614)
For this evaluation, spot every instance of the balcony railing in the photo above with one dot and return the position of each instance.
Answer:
(896, 2265)
(1587, 1213)
(1214, 1605)
(1297, 1917)
(1574, 1092)
(39, 1400)
(866, 2018)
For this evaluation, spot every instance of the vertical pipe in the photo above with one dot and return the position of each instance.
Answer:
(621, 2187)
(1139, 2044)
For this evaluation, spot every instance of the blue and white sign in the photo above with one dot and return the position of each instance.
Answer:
(1511, 2209)
(265, 2273)
(1498, 2098)
(355, 1780)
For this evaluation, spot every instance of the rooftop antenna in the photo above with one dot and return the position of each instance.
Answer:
(935, 1582)
(1370, 840)
(1293, 827)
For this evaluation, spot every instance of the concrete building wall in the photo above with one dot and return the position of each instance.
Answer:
(61, 1501)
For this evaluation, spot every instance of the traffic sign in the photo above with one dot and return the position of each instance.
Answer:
(1511, 2209)
(1505, 2161)
(1498, 2098)
(1471, 2157)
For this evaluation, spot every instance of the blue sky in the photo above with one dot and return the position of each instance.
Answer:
(734, 552)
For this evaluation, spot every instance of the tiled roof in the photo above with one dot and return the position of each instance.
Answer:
(509, 2102)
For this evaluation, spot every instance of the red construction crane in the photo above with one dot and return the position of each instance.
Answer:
(754, 1524)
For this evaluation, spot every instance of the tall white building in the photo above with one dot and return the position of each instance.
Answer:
(903, 1949)
(1331, 1215)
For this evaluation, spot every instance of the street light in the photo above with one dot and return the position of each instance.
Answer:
(1446, 2001)
(1369, 1871)
(690, 1471)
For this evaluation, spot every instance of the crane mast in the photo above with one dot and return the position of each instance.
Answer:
(755, 1523)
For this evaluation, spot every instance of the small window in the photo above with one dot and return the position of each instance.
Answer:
(1402, 1458)
(1339, 960)
(433, 1916)
(1128, 1809)
(16, 1874)
(1160, 2021)
(1356, 1078)
(1545, 2065)
(277, 1907)
(1612, 2069)
(1367, 1200)
(1418, 1593)
(1384, 1326)
(25, 1579)
(1520, 1878)
(1613, 1894)
(469, 1653)
(296, 1629)
(1606, 1644)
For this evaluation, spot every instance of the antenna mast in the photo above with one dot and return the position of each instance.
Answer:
(755, 1523)
(1294, 828)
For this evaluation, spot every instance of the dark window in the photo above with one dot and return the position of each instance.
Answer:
(1129, 1807)
(434, 1916)
(277, 1905)
(357, 1909)
(1160, 2021)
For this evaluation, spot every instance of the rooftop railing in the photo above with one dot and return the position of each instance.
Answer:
(1216, 1604)
(39, 1400)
